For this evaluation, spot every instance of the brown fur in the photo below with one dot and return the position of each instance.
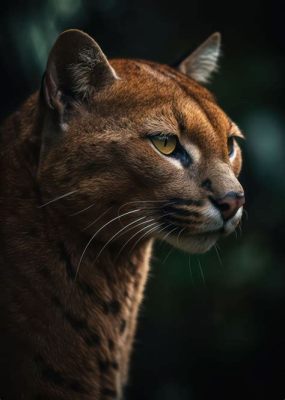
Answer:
(67, 332)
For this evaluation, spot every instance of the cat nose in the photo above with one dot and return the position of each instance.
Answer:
(229, 204)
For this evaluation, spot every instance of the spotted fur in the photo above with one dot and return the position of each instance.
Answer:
(83, 195)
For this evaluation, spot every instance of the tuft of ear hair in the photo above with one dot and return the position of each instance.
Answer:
(76, 68)
(200, 64)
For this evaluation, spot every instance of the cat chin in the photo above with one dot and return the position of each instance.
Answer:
(194, 244)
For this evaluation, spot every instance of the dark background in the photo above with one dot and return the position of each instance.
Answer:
(212, 328)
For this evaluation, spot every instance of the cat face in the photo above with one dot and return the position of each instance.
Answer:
(143, 149)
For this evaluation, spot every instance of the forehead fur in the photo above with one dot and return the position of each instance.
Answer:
(161, 98)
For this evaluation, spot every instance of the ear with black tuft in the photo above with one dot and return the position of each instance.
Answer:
(200, 64)
(76, 68)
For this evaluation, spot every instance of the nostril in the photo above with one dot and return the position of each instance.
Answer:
(229, 204)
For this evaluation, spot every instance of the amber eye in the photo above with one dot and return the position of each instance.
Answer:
(231, 146)
(166, 144)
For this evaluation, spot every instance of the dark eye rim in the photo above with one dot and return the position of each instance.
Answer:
(161, 135)
(231, 145)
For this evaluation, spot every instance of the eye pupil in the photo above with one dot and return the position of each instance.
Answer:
(165, 144)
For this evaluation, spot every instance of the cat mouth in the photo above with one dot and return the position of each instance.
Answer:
(190, 234)
(198, 242)
(194, 243)
(215, 232)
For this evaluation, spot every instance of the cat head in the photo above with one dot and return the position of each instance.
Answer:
(142, 149)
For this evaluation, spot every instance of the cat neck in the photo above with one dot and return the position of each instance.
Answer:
(81, 311)
(87, 317)
(100, 302)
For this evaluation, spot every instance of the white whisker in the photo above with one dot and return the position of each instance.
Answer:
(147, 201)
(179, 234)
(167, 255)
(96, 233)
(169, 233)
(218, 255)
(145, 234)
(245, 213)
(201, 271)
(97, 219)
(81, 211)
(163, 239)
(191, 274)
(58, 198)
(116, 234)
(128, 241)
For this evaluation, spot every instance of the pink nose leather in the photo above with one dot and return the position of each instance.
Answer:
(230, 204)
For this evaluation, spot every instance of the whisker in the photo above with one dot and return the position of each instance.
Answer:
(96, 233)
(81, 211)
(240, 229)
(97, 219)
(57, 198)
(201, 271)
(245, 213)
(169, 233)
(147, 201)
(190, 269)
(146, 233)
(141, 231)
(116, 234)
(163, 239)
(135, 226)
(218, 255)
(167, 255)
(179, 234)
(128, 241)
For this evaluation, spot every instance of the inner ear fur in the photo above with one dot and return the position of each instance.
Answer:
(76, 68)
(201, 64)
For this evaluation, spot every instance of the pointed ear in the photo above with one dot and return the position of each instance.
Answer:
(76, 68)
(200, 64)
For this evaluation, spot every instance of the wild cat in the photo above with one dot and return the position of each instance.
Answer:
(105, 158)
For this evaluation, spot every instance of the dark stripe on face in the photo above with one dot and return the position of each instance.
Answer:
(65, 257)
(178, 221)
(186, 202)
(180, 211)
